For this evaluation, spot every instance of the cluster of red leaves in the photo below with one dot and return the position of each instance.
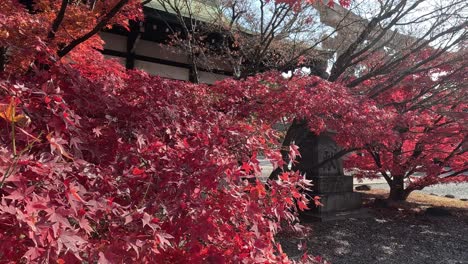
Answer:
(427, 115)
(26, 33)
(326, 106)
(142, 170)
(99, 164)
(298, 4)
(125, 166)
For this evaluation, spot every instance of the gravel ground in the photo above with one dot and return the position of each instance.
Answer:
(459, 190)
(387, 237)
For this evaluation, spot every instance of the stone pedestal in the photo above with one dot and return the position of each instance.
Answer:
(329, 182)
(336, 194)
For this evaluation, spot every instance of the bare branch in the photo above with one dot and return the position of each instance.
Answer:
(58, 20)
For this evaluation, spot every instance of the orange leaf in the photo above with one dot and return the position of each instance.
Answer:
(76, 195)
(8, 112)
(260, 189)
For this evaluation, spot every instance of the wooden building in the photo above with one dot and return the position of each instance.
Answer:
(145, 45)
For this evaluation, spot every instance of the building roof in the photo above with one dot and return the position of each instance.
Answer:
(204, 10)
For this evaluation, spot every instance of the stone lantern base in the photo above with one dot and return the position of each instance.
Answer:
(338, 199)
(334, 188)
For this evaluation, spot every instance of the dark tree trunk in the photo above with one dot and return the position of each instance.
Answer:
(194, 76)
(132, 37)
(397, 189)
(3, 58)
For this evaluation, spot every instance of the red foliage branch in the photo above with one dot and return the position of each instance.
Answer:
(429, 124)
(99, 164)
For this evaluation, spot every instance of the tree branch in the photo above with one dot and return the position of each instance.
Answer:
(378, 162)
(58, 20)
(391, 64)
(344, 59)
(456, 173)
(64, 51)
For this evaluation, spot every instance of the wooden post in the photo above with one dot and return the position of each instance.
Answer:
(132, 38)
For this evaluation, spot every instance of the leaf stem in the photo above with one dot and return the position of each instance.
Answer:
(11, 168)
(13, 136)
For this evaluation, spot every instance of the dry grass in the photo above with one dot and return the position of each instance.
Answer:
(421, 199)
(416, 204)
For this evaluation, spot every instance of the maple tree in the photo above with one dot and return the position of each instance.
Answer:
(376, 52)
(419, 80)
(429, 121)
(416, 78)
(100, 164)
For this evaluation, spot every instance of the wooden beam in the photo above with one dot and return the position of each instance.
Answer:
(132, 38)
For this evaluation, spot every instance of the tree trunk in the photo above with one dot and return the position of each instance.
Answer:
(397, 189)
(132, 38)
(194, 76)
(3, 58)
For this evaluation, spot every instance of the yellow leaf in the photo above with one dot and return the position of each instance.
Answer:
(8, 112)
(4, 34)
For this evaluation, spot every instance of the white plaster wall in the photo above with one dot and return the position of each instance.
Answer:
(162, 70)
(120, 59)
(114, 41)
(160, 51)
(150, 49)
(210, 78)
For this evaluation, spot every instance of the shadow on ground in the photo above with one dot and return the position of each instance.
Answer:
(400, 234)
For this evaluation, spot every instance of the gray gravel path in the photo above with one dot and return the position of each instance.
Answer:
(390, 239)
(459, 190)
